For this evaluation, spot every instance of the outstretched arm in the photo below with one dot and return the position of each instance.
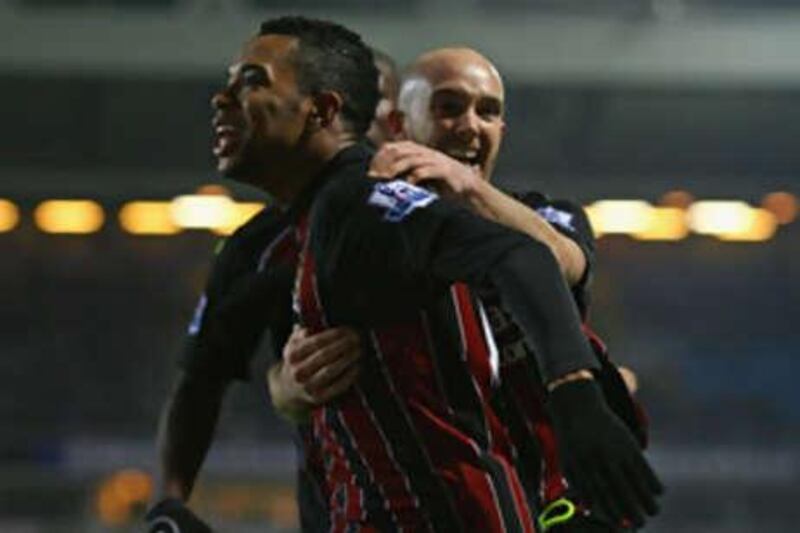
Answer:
(185, 431)
(184, 435)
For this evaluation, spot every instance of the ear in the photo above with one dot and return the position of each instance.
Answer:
(396, 120)
(326, 106)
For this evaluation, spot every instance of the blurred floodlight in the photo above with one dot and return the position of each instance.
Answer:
(119, 496)
(620, 216)
(665, 224)
(761, 227)
(9, 216)
(714, 217)
(198, 211)
(147, 218)
(241, 212)
(731, 220)
(69, 216)
(781, 204)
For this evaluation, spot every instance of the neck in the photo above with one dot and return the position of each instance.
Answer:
(295, 178)
(300, 172)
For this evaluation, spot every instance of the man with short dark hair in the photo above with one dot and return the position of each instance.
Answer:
(250, 285)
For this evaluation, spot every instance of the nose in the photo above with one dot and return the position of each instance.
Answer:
(468, 124)
(222, 99)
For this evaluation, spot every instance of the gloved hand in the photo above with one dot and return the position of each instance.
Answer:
(172, 516)
(600, 455)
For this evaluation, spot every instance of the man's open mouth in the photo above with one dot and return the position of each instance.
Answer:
(227, 138)
(471, 158)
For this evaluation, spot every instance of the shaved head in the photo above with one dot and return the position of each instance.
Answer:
(452, 99)
(448, 63)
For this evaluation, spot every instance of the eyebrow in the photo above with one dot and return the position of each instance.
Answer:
(459, 91)
(237, 69)
(492, 100)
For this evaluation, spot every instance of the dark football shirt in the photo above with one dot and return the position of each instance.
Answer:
(416, 443)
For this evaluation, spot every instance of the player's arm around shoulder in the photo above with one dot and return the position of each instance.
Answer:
(503, 208)
(452, 178)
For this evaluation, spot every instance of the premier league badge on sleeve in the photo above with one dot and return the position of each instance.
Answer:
(399, 198)
(557, 217)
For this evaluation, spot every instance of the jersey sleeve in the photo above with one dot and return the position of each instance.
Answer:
(238, 305)
(391, 245)
(206, 351)
(569, 219)
(386, 248)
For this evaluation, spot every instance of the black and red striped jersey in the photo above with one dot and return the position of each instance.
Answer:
(248, 293)
(416, 444)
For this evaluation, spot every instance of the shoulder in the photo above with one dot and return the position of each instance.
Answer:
(386, 201)
(250, 235)
(562, 213)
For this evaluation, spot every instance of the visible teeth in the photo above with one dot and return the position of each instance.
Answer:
(223, 144)
(464, 157)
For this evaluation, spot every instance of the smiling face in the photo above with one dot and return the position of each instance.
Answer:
(454, 102)
(261, 116)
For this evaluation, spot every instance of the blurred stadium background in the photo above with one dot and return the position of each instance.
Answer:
(676, 121)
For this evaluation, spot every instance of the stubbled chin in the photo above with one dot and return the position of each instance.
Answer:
(227, 166)
(222, 164)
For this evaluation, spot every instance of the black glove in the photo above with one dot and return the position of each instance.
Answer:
(600, 455)
(172, 516)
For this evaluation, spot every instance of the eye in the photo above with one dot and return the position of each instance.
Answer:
(253, 76)
(489, 109)
(448, 107)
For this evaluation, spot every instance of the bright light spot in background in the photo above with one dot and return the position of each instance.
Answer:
(122, 495)
(638, 219)
(731, 220)
(69, 216)
(147, 218)
(761, 227)
(713, 217)
(619, 216)
(215, 212)
(9, 216)
(203, 211)
(665, 224)
(781, 204)
(241, 213)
